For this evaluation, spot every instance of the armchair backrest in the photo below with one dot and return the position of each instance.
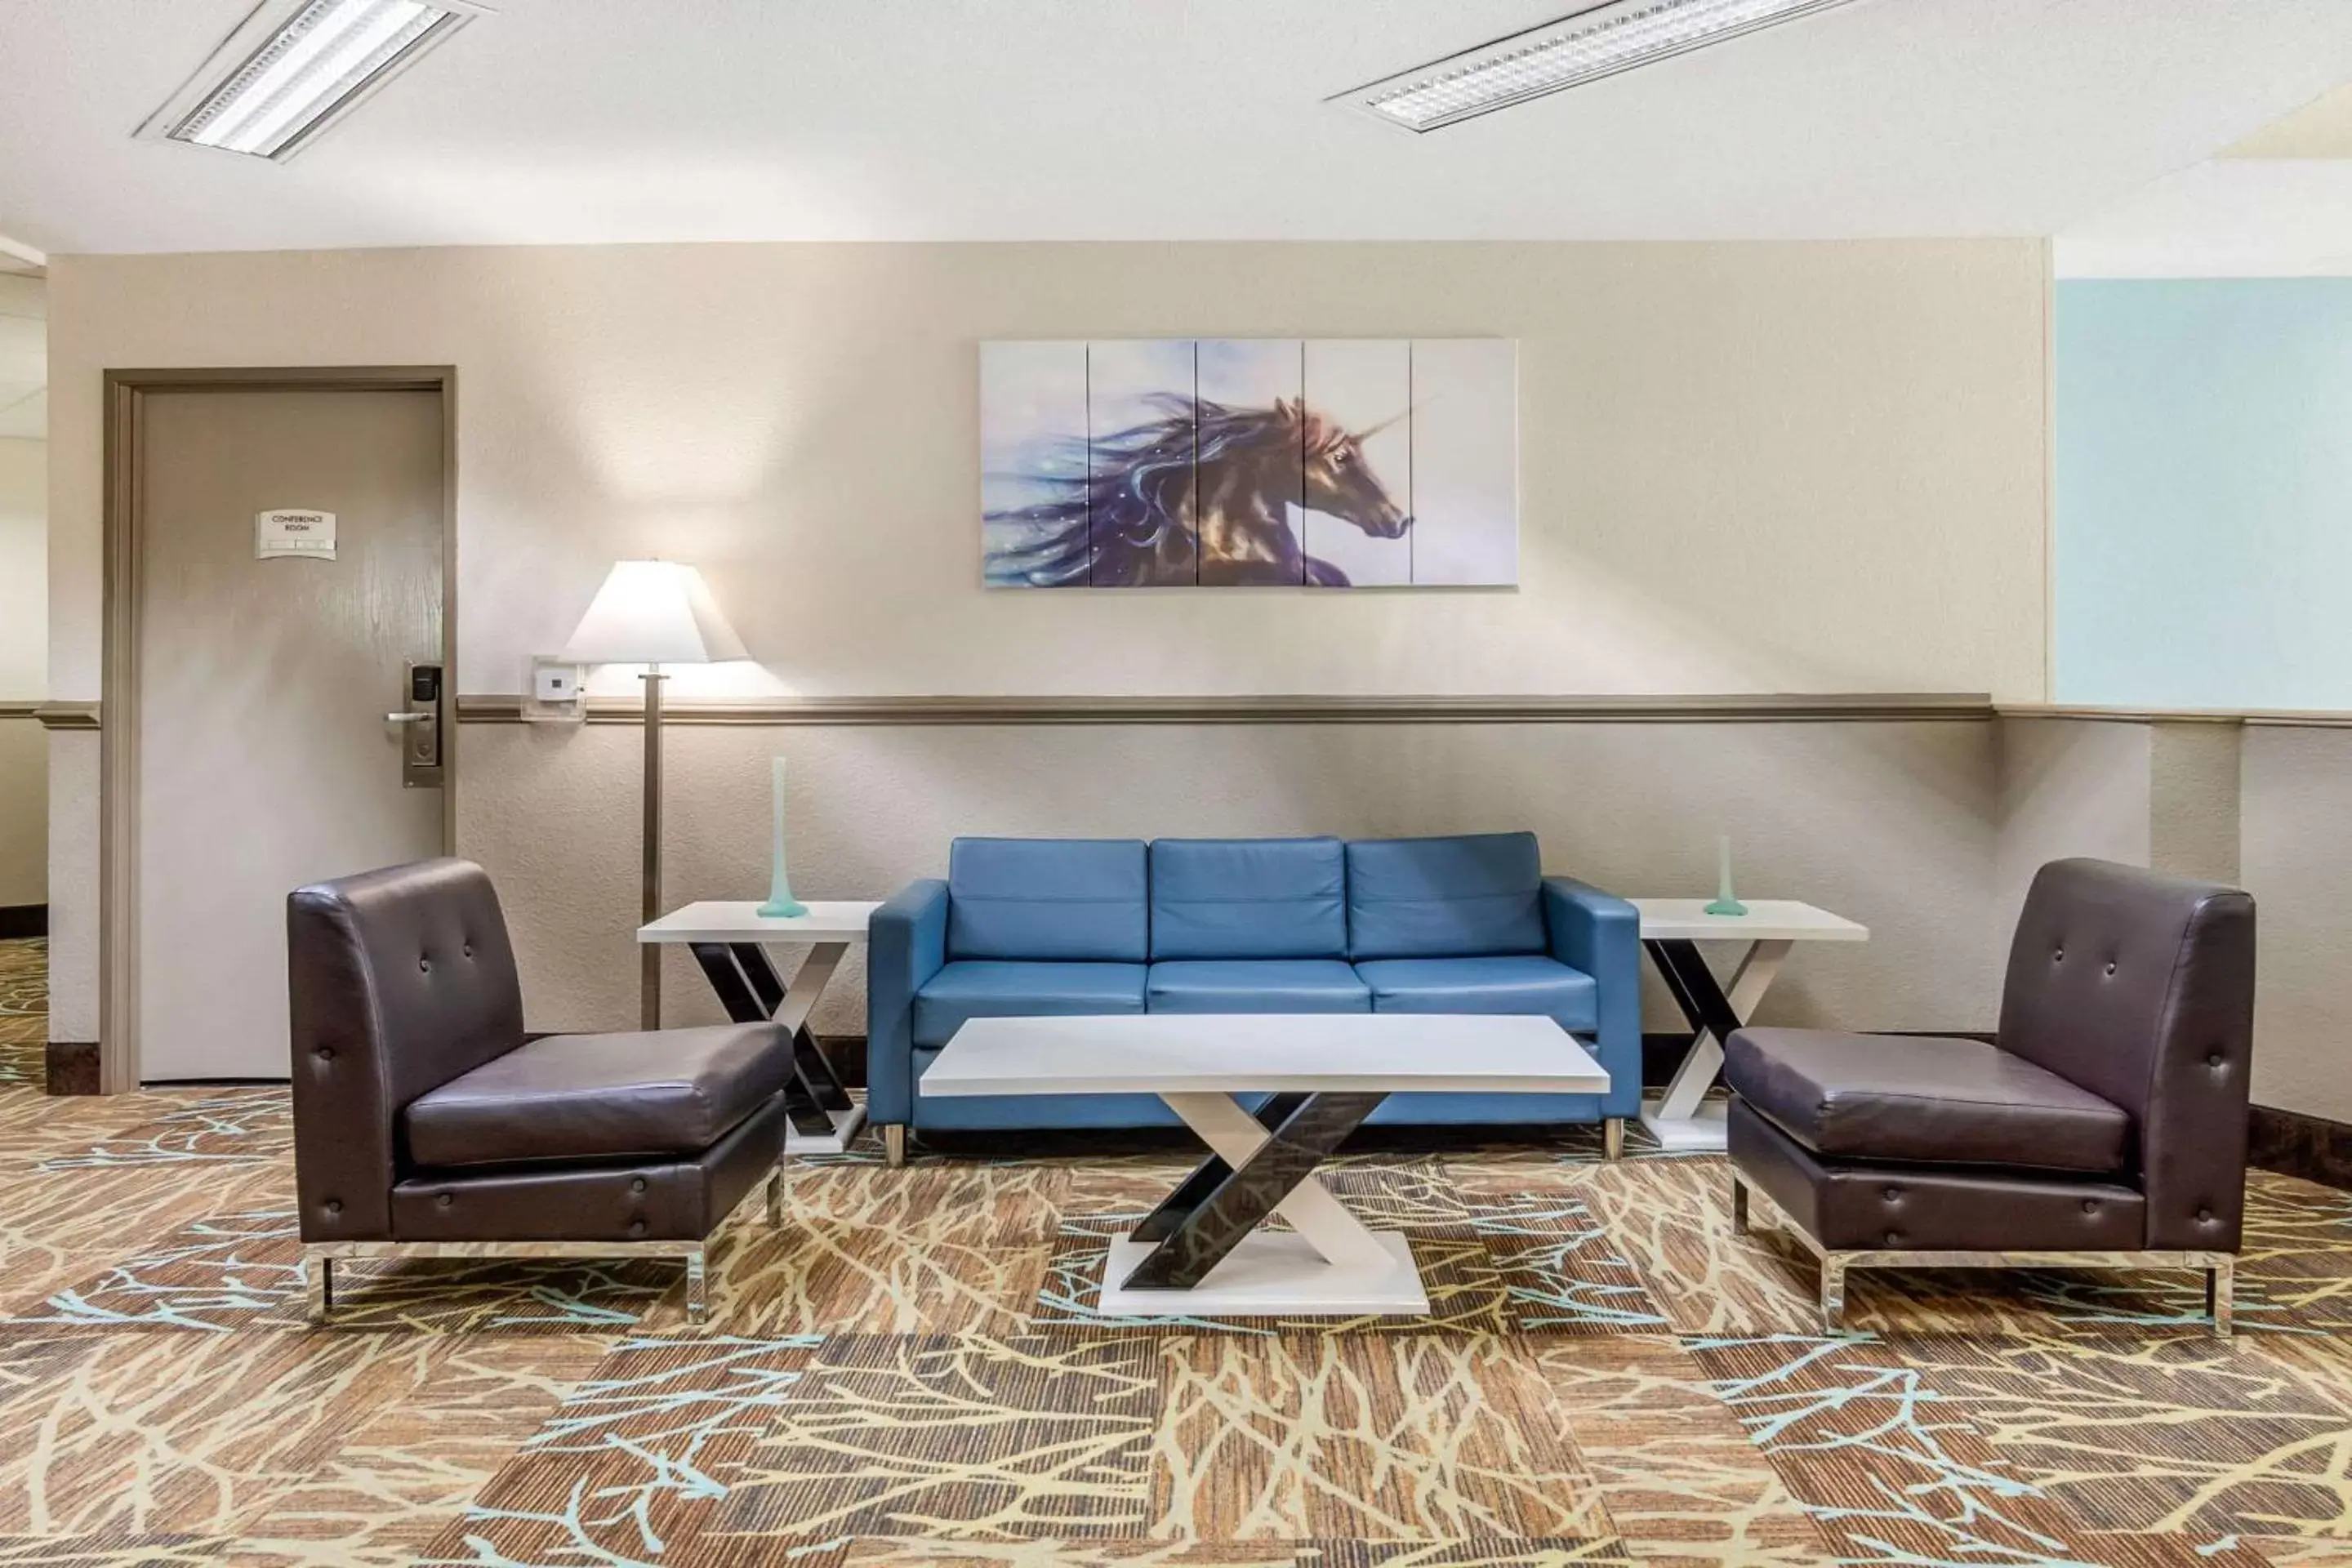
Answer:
(2140, 988)
(400, 980)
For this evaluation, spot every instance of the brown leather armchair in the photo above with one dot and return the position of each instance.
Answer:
(2106, 1128)
(426, 1121)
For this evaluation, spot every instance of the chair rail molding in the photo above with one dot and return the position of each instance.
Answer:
(66, 715)
(503, 707)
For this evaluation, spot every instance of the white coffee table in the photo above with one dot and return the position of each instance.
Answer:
(728, 942)
(1683, 1120)
(1200, 1253)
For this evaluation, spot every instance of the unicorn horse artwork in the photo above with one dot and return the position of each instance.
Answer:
(1199, 494)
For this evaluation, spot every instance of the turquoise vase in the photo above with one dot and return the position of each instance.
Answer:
(780, 904)
(1725, 904)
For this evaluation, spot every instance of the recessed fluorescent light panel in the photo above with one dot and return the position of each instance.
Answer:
(1597, 42)
(295, 67)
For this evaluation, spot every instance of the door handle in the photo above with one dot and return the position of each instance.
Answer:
(410, 718)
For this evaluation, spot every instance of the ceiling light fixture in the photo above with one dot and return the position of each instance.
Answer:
(295, 67)
(1598, 41)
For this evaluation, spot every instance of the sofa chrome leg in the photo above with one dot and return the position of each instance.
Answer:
(698, 1288)
(776, 1198)
(894, 1144)
(1738, 1206)
(2220, 1287)
(1613, 1137)
(322, 1287)
(1832, 1292)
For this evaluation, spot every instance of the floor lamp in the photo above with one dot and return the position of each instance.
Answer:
(652, 613)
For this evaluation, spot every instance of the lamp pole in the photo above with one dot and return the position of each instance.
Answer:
(649, 954)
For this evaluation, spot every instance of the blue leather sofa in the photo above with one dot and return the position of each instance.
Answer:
(1023, 927)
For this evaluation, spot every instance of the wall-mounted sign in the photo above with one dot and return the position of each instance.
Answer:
(294, 530)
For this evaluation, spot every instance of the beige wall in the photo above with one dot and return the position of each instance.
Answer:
(2068, 787)
(2296, 857)
(1890, 824)
(1745, 468)
(24, 671)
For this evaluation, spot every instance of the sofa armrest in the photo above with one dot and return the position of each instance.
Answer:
(1601, 935)
(907, 941)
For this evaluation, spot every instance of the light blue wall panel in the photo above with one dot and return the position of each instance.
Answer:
(2203, 527)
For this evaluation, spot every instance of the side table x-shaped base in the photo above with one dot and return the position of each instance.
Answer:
(1683, 1120)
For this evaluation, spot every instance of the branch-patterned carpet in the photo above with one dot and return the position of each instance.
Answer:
(909, 1372)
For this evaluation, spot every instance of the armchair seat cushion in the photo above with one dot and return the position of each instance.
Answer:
(1512, 982)
(1907, 1099)
(575, 1098)
(1257, 985)
(1010, 988)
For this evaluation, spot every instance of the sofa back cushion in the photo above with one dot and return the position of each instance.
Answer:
(1444, 898)
(1249, 898)
(1067, 899)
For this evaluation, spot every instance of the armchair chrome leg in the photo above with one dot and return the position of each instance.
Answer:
(322, 1287)
(776, 1198)
(1738, 1206)
(1832, 1292)
(697, 1296)
(894, 1144)
(2221, 1286)
(1613, 1137)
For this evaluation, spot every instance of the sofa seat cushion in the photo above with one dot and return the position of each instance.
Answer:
(1256, 986)
(1905, 1099)
(572, 1098)
(1006, 988)
(1513, 983)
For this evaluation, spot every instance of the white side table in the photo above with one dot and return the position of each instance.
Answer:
(728, 942)
(1683, 1119)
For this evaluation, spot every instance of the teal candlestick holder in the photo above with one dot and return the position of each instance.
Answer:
(1725, 904)
(780, 904)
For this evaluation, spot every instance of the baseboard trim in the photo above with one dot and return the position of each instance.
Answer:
(2295, 1145)
(72, 1067)
(18, 921)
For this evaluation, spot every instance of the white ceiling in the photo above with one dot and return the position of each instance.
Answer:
(2276, 204)
(622, 120)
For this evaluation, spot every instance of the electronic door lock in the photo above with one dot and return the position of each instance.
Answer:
(420, 742)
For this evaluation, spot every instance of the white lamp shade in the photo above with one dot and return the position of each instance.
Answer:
(653, 612)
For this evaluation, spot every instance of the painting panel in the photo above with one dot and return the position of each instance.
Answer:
(1140, 445)
(1251, 393)
(1358, 488)
(1033, 464)
(1466, 489)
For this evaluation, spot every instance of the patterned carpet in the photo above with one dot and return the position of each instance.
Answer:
(908, 1373)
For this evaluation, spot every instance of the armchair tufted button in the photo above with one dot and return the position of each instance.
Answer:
(2212, 1059)
(1892, 1194)
(637, 1185)
(2058, 957)
(444, 1200)
(325, 1053)
(334, 1207)
(2090, 1206)
(1893, 1239)
(424, 965)
(636, 1227)
(2204, 1217)
(2111, 966)
(468, 950)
